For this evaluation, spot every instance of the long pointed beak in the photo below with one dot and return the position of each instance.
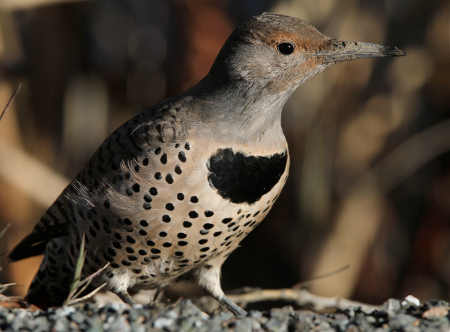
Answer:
(349, 50)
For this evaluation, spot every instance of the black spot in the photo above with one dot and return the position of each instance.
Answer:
(115, 265)
(208, 226)
(143, 223)
(158, 176)
(204, 249)
(170, 207)
(203, 255)
(177, 145)
(242, 178)
(167, 244)
(169, 178)
(116, 245)
(129, 192)
(180, 196)
(157, 150)
(142, 252)
(137, 271)
(193, 214)
(187, 146)
(202, 241)
(118, 236)
(128, 175)
(163, 234)
(182, 156)
(179, 253)
(194, 199)
(147, 198)
(145, 161)
(153, 191)
(96, 224)
(111, 252)
(226, 220)
(129, 250)
(182, 243)
(231, 225)
(209, 213)
(150, 243)
(178, 170)
(142, 232)
(125, 262)
(166, 218)
(136, 187)
(130, 239)
(217, 233)
(187, 224)
(256, 213)
(236, 228)
(137, 168)
(164, 159)
(127, 222)
(146, 206)
(181, 235)
(155, 251)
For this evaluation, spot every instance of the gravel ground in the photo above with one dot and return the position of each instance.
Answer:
(394, 315)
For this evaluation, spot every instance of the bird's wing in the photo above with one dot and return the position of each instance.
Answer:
(105, 173)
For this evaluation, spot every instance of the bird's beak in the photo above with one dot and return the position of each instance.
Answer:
(337, 51)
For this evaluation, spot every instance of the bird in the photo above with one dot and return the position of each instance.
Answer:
(174, 190)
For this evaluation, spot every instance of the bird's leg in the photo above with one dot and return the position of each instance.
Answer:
(125, 297)
(158, 293)
(208, 277)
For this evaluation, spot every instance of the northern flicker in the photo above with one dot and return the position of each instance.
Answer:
(176, 188)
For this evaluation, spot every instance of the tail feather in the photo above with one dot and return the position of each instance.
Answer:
(35, 243)
(32, 245)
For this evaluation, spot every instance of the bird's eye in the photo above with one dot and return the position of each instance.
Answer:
(286, 48)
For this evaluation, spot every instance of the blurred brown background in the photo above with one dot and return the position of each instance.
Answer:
(370, 140)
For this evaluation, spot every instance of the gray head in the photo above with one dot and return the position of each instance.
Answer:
(263, 61)
(280, 52)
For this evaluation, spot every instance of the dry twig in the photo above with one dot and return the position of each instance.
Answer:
(301, 297)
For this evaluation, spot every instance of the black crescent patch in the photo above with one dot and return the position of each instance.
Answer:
(241, 178)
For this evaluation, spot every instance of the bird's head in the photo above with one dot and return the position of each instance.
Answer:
(280, 52)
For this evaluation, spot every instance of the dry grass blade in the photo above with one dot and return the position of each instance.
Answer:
(2, 234)
(4, 230)
(78, 269)
(87, 281)
(87, 296)
(4, 287)
(322, 276)
(10, 100)
(79, 285)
